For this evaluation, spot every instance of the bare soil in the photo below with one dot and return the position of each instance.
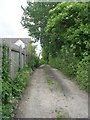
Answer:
(50, 94)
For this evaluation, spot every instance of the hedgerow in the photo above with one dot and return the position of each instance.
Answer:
(11, 88)
(68, 43)
(73, 67)
(82, 72)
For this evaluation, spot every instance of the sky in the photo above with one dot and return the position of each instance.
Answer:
(10, 17)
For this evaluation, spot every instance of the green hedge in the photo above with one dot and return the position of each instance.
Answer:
(82, 73)
(73, 67)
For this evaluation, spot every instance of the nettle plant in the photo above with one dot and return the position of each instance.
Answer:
(11, 88)
(6, 80)
(6, 83)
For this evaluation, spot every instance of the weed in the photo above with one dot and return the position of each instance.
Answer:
(61, 114)
(13, 92)
(50, 81)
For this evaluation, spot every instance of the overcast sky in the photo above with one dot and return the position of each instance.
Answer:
(10, 17)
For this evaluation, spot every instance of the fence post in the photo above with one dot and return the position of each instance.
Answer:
(10, 58)
(20, 57)
(25, 62)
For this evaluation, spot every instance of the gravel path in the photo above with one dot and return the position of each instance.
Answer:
(52, 95)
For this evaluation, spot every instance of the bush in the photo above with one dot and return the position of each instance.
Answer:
(36, 62)
(65, 61)
(33, 61)
(82, 73)
(13, 91)
(42, 61)
(6, 111)
(20, 82)
(12, 88)
(72, 66)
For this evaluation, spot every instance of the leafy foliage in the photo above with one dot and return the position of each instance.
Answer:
(69, 25)
(35, 18)
(12, 88)
(5, 62)
(6, 83)
(13, 92)
(65, 61)
(82, 72)
(63, 30)
(19, 83)
(33, 61)
(6, 80)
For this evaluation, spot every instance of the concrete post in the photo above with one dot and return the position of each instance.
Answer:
(20, 58)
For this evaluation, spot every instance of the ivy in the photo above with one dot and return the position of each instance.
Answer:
(12, 88)
(5, 63)
(6, 80)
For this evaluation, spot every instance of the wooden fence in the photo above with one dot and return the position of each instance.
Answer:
(18, 57)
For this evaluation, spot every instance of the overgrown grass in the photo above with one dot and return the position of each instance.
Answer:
(61, 114)
(12, 88)
(82, 74)
(73, 67)
(50, 81)
(20, 82)
(13, 91)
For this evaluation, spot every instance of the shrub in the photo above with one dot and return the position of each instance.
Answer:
(13, 92)
(72, 66)
(82, 73)
(11, 89)
(20, 82)
(6, 83)
(65, 61)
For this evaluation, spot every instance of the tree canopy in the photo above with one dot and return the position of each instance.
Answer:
(58, 24)
(68, 24)
(35, 18)
(64, 33)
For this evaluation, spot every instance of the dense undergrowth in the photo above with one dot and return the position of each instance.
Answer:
(63, 30)
(72, 67)
(12, 88)
(12, 91)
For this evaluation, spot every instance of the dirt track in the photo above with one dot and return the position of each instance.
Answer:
(50, 94)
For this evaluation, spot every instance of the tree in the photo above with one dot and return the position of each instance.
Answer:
(33, 60)
(34, 18)
(68, 25)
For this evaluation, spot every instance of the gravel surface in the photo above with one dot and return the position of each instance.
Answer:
(50, 94)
